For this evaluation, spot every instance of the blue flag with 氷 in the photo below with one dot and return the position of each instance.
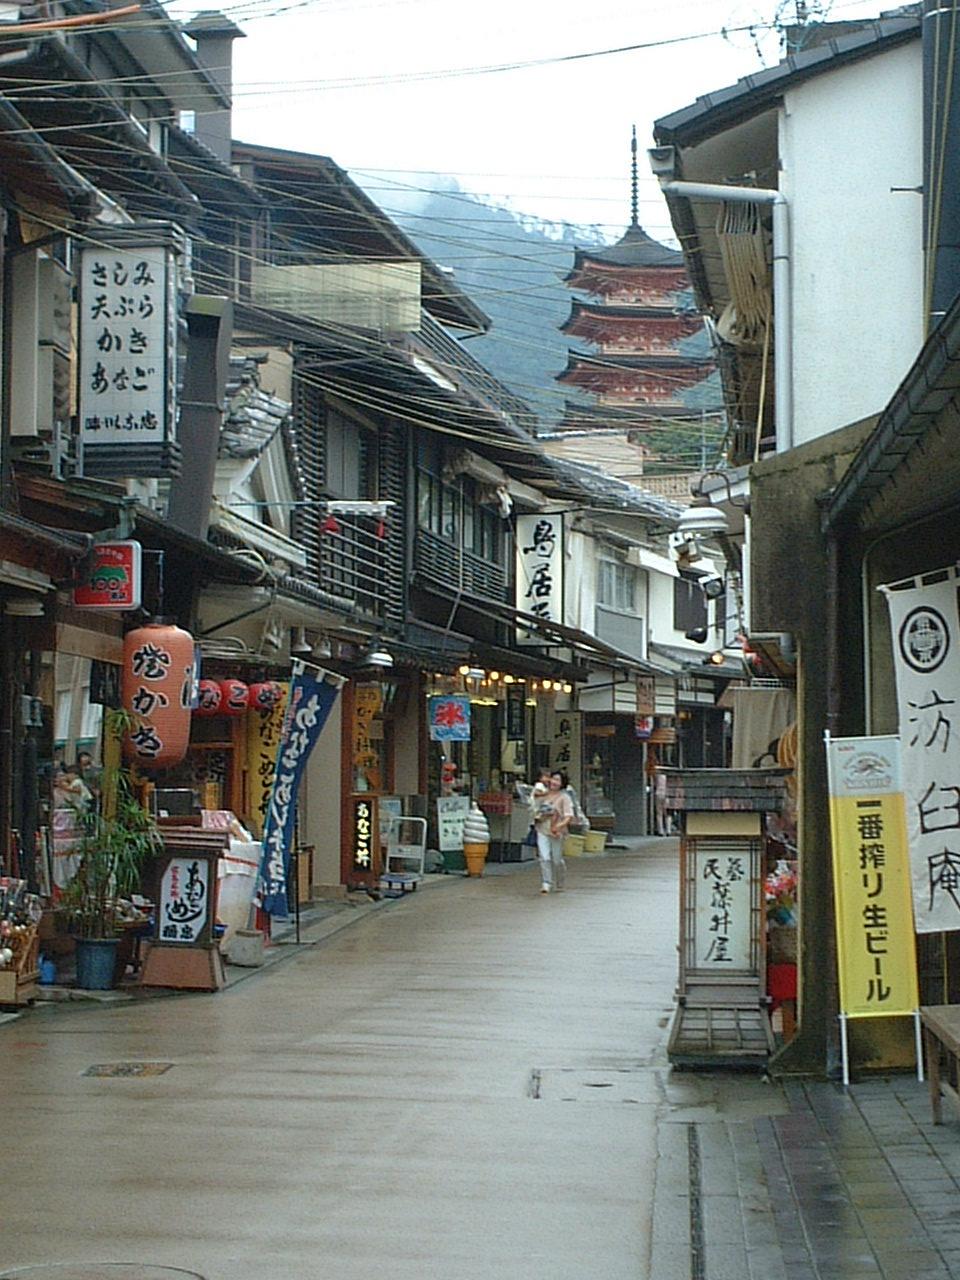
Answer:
(312, 695)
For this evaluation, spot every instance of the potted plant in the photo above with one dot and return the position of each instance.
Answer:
(117, 839)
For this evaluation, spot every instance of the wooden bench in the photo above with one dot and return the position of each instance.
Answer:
(941, 1037)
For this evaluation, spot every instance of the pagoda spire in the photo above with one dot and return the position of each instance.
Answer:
(634, 197)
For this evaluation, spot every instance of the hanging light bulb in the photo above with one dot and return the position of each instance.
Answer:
(494, 675)
(464, 670)
(547, 685)
(509, 680)
(568, 688)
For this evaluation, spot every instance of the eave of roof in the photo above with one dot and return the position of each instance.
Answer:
(714, 112)
(441, 293)
(634, 249)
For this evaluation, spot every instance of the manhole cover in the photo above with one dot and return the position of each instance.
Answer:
(127, 1069)
(100, 1271)
(604, 1085)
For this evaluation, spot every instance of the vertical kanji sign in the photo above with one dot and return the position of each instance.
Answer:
(539, 571)
(722, 909)
(876, 948)
(127, 315)
(926, 651)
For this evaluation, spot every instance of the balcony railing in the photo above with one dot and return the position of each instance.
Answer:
(354, 562)
(454, 570)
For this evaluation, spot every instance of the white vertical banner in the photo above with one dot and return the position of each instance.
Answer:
(539, 571)
(925, 627)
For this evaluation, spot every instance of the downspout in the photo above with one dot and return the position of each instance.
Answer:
(782, 301)
(941, 180)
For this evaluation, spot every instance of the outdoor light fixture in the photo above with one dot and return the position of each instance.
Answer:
(701, 518)
(716, 658)
(464, 670)
(712, 585)
(377, 656)
(473, 673)
(300, 646)
(697, 635)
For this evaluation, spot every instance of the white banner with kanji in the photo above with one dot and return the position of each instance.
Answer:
(925, 626)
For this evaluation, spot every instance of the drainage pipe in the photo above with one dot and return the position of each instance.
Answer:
(782, 302)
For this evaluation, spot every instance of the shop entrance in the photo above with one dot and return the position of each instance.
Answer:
(629, 782)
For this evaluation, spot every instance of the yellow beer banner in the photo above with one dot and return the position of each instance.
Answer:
(876, 946)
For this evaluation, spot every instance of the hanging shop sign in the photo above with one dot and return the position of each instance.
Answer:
(642, 726)
(157, 687)
(646, 696)
(367, 706)
(185, 902)
(449, 718)
(114, 578)
(539, 571)
(127, 352)
(312, 695)
(365, 833)
(264, 728)
(451, 815)
(926, 652)
(516, 713)
(566, 743)
(876, 949)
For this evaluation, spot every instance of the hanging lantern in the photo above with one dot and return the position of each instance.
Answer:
(209, 698)
(234, 697)
(265, 695)
(157, 683)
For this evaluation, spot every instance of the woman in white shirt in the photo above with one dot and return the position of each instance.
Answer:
(553, 812)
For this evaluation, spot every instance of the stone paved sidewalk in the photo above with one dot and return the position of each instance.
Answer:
(848, 1184)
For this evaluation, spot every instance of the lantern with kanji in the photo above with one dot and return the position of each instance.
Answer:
(157, 685)
(209, 698)
(265, 695)
(234, 697)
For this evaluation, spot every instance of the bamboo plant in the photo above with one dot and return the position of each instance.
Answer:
(117, 839)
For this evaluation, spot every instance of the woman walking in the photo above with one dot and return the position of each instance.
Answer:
(553, 811)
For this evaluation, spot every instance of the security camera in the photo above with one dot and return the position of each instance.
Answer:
(712, 585)
(663, 162)
(683, 547)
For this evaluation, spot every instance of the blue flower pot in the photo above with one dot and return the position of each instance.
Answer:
(96, 963)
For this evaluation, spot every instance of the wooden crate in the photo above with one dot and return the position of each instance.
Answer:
(18, 982)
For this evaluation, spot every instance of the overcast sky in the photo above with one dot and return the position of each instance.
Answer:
(346, 78)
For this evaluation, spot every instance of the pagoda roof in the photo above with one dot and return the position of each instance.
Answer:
(618, 417)
(584, 359)
(602, 311)
(634, 249)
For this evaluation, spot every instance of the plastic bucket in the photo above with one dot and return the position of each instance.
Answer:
(96, 963)
(573, 846)
(594, 842)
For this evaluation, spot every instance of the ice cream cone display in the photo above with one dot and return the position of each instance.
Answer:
(476, 840)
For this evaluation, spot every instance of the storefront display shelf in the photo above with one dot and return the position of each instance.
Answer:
(18, 982)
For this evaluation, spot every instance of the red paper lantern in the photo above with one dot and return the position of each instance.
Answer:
(209, 698)
(157, 684)
(234, 697)
(265, 695)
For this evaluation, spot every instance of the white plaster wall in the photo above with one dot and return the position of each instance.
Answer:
(846, 138)
(320, 801)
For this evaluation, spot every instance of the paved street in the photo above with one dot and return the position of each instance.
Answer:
(470, 1082)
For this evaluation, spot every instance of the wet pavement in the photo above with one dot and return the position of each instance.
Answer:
(471, 1082)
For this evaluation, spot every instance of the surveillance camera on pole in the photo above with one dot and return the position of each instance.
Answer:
(712, 585)
(684, 548)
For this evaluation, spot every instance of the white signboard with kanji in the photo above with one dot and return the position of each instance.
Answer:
(925, 629)
(125, 346)
(722, 911)
(184, 900)
(539, 571)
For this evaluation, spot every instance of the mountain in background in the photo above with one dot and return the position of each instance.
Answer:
(513, 266)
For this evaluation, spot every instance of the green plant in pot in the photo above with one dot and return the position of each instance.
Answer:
(117, 840)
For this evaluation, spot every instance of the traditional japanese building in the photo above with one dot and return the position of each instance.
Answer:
(651, 364)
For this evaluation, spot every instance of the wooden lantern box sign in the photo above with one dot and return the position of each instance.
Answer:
(721, 1016)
